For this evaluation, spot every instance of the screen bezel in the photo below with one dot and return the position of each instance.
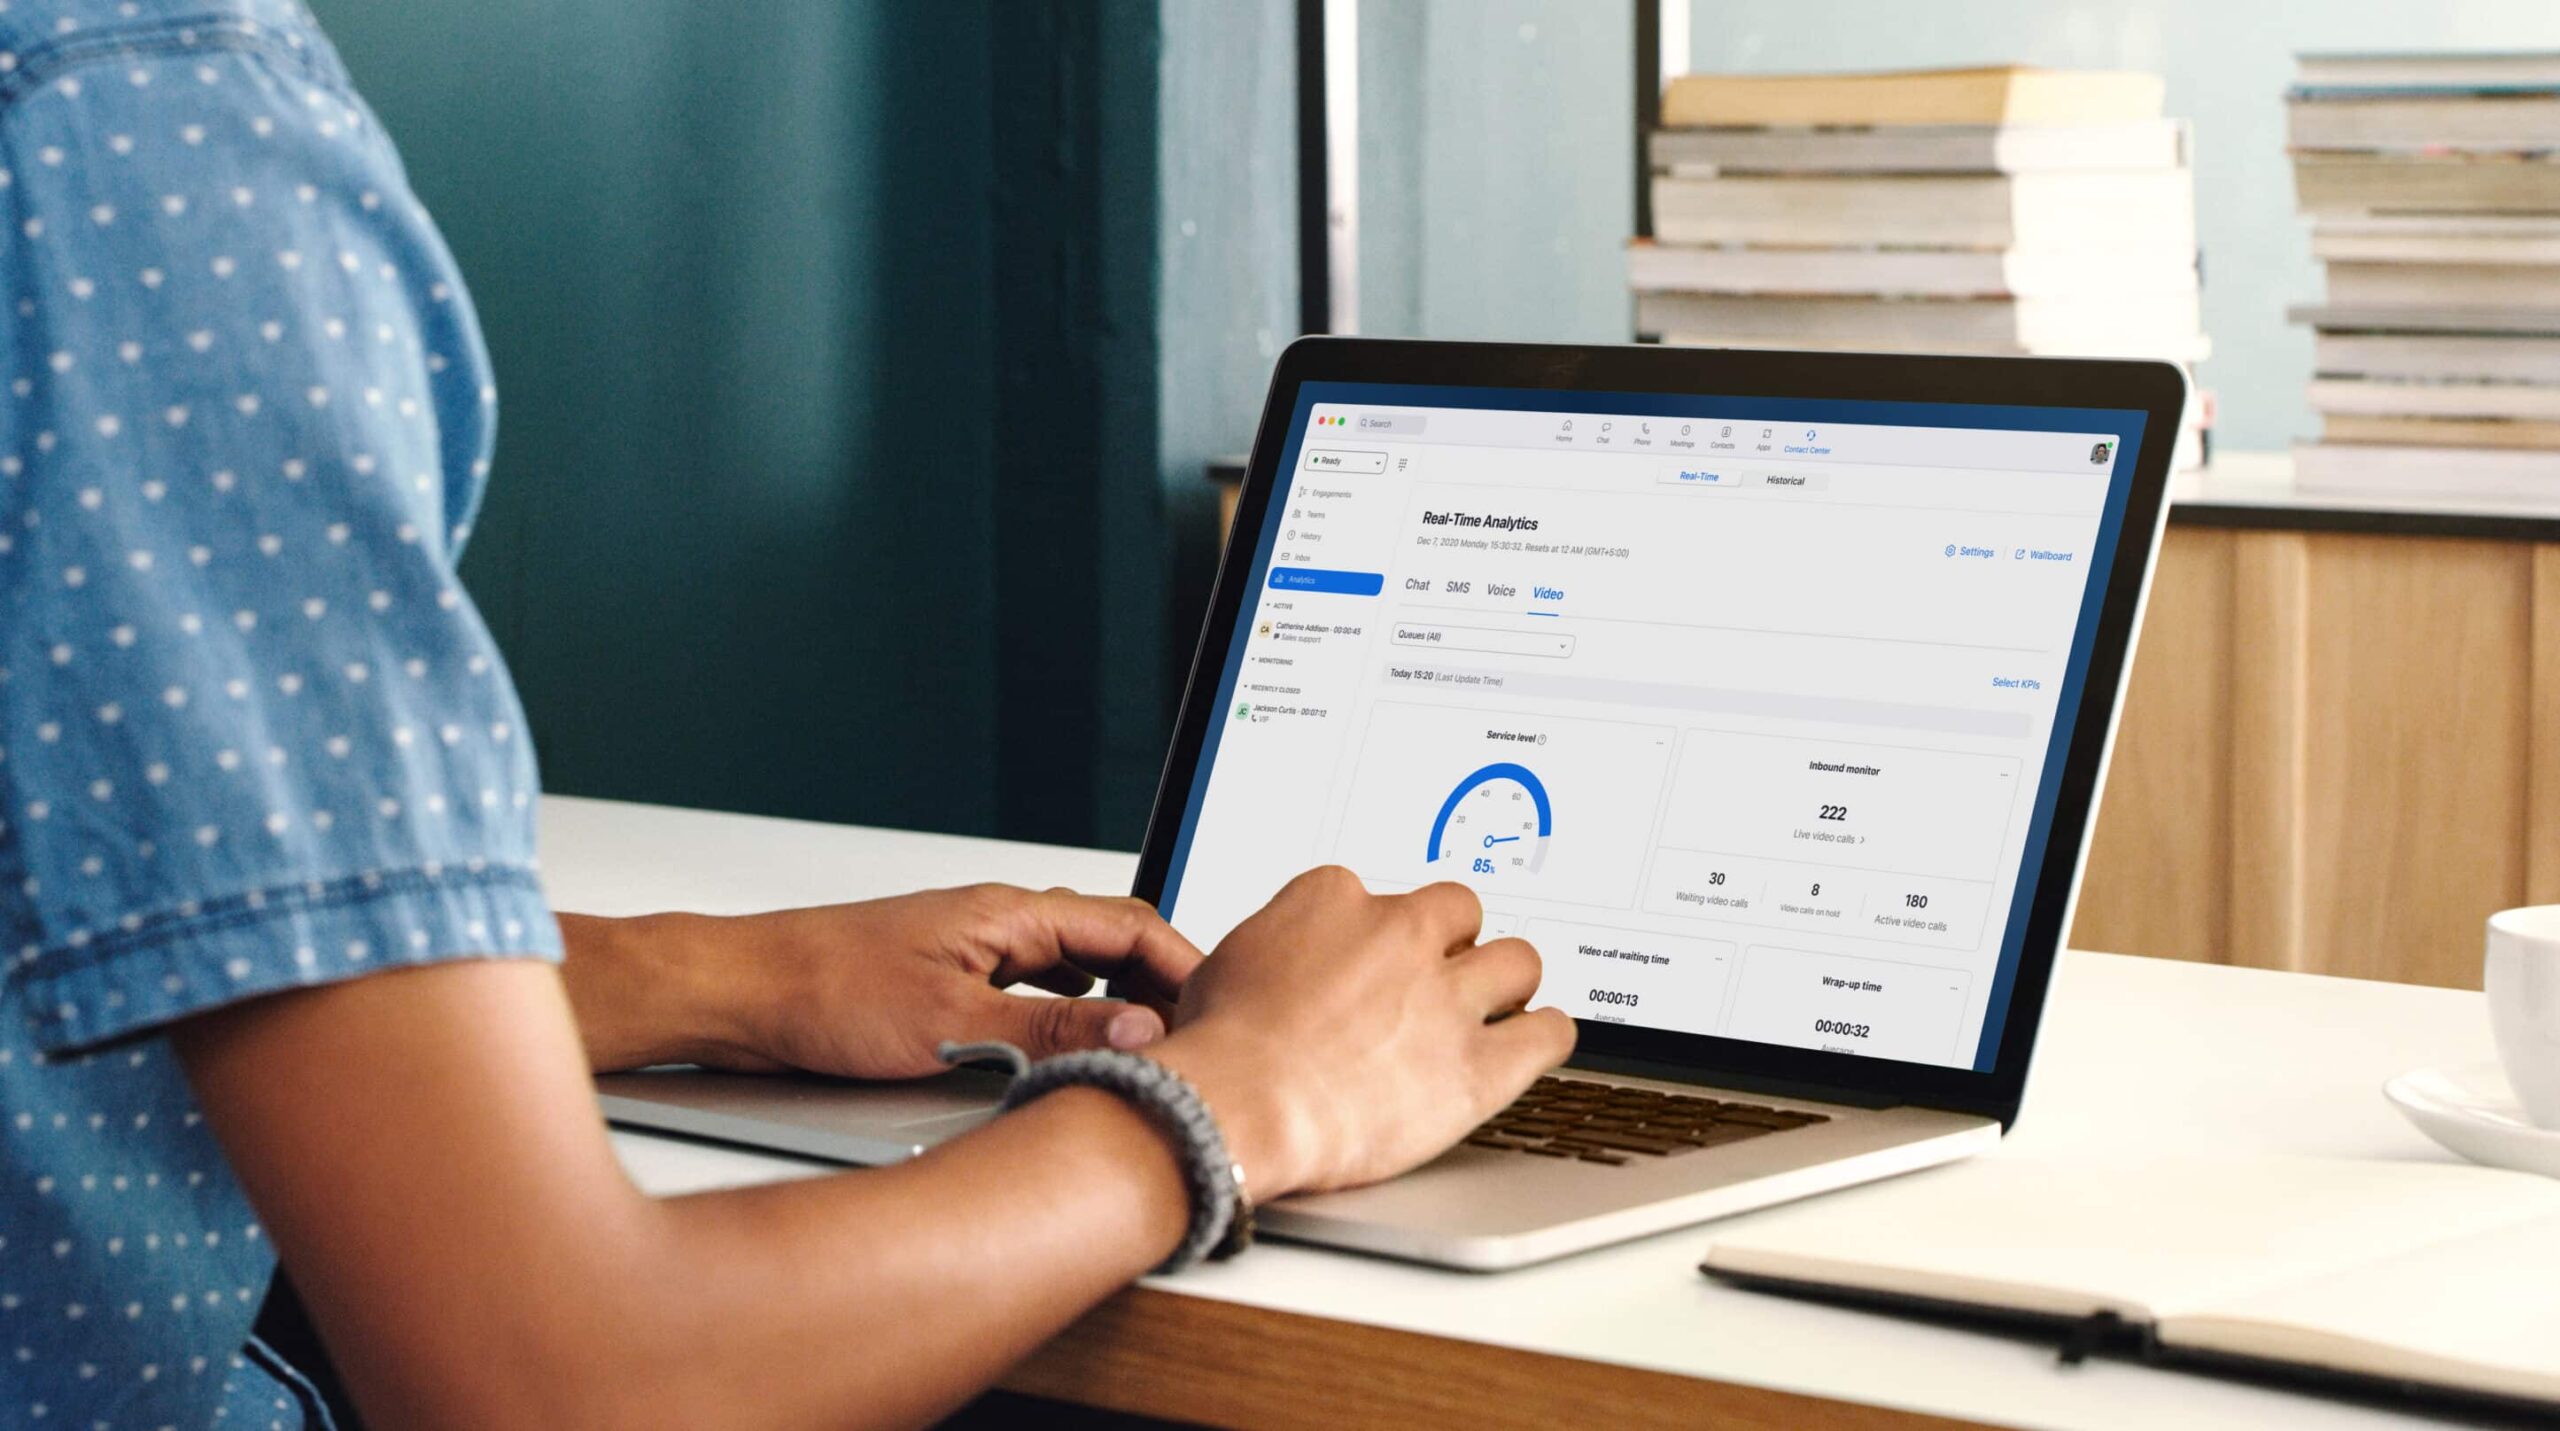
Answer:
(2158, 390)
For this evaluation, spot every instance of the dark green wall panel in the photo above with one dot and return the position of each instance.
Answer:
(857, 364)
(733, 264)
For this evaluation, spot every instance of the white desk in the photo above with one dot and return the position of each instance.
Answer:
(2138, 1054)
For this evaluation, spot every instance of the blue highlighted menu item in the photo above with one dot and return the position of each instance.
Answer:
(1340, 583)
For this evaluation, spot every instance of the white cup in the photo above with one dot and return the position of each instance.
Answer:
(2522, 977)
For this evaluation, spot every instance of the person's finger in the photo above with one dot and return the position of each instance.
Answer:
(1497, 977)
(1324, 882)
(1121, 939)
(1528, 1044)
(1045, 1027)
(1451, 914)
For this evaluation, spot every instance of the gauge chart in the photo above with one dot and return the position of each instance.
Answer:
(1496, 821)
(1544, 807)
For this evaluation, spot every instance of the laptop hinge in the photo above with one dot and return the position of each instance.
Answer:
(1740, 1082)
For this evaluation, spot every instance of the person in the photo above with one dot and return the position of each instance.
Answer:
(281, 980)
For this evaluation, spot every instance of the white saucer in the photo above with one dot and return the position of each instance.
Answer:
(2473, 1112)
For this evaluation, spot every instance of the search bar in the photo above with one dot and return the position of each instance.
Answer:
(1484, 638)
(1400, 422)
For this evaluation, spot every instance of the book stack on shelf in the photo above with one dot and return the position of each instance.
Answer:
(2432, 182)
(2007, 210)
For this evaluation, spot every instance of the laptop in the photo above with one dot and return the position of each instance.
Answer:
(1769, 694)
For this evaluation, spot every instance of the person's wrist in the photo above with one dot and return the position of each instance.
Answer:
(658, 988)
(1239, 1081)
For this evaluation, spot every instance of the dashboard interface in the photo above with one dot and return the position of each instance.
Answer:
(1747, 713)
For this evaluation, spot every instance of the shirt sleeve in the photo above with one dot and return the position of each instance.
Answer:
(253, 733)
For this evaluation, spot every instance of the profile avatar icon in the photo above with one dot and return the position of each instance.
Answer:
(2099, 454)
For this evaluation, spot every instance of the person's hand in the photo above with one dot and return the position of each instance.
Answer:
(1342, 1037)
(868, 990)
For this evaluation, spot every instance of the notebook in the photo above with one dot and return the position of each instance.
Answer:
(2434, 1279)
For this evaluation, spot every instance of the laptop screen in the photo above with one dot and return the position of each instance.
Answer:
(1749, 713)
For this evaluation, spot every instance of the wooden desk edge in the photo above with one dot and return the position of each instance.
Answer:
(1162, 1354)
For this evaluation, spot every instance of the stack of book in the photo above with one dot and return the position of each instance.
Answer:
(2007, 210)
(2432, 182)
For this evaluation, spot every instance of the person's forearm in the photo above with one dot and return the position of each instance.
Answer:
(869, 1299)
(878, 1298)
(903, 1291)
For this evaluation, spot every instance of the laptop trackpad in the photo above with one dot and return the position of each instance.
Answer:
(828, 1118)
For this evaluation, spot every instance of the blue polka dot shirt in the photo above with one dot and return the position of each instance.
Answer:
(253, 735)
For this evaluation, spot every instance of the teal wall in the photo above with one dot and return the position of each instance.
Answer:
(848, 451)
(1496, 168)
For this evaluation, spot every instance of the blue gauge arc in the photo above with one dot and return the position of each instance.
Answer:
(1499, 770)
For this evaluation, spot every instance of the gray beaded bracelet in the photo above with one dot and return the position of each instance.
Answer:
(1221, 1214)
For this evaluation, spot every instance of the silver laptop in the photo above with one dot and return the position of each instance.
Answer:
(1768, 694)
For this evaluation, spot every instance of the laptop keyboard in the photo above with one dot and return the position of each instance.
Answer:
(1604, 1123)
